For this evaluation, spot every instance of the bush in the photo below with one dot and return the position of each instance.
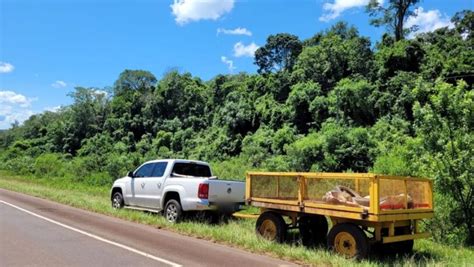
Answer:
(20, 165)
(232, 169)
(98, 179)
(49, 164)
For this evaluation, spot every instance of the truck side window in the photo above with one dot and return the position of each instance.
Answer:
(144, 171)
(159, 169)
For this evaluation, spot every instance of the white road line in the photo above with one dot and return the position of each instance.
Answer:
(95, 236)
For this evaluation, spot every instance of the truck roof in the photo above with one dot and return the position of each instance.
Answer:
(180, 161)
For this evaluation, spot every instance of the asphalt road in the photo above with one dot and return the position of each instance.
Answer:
(37, 232)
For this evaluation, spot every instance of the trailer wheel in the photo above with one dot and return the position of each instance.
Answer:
(348, 240)
(313, 230)
(271, 226)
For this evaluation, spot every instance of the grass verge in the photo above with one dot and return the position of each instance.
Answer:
(237, 233)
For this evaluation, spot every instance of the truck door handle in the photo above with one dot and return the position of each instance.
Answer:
(159, 185)
(143, 185)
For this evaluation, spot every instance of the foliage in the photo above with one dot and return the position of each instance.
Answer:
(333, 102)
(278, 54)
(446, 124)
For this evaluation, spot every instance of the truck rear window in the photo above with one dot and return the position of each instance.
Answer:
(191, 169)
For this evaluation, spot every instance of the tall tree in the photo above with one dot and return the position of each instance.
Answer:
(392, 16)
(134, 80)
(446, 124)
(279, 53)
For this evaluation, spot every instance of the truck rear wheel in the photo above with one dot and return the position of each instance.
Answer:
(349, 241)
(173, 211)
(313, 230)
(271, 226)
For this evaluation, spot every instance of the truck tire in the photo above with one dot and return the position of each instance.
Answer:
(271, 226)
(117, 201)
(349, 241)
(313, 230)
(173, 211)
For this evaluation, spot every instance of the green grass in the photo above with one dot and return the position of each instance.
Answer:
(237, 233)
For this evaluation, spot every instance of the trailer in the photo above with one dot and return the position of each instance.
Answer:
(365, 210)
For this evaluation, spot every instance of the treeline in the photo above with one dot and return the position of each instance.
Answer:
(334, 102)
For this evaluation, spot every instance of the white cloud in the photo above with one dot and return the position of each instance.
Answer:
(428, 21)
(229, 63)
(14, 107)
(6, 67)
(9, 115)
(334, 9)
(10, 97)
(193, 10)
(241, 50)
(52, 109)
(59, 84)
(101, 92)
(236, 31)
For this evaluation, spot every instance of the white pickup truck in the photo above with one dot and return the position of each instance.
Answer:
(175, 186)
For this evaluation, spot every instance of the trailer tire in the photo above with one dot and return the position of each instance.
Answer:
(313, 230)
(349, 241)
(271, 226)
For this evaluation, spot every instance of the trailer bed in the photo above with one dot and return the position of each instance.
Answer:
(390, 205)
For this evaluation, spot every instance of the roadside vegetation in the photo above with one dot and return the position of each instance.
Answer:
(333, 102)
(235, 232)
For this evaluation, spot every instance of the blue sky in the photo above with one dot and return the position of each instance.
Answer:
(48, 47)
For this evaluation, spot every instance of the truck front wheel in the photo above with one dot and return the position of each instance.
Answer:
(173, 211)
(117, 200)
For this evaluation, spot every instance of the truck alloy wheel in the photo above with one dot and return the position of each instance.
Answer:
(117, 201)
(173, 211)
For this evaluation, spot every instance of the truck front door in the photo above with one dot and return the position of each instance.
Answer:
(154, 186)
(140, 183)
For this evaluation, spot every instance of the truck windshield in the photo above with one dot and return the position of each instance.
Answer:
(191, 169)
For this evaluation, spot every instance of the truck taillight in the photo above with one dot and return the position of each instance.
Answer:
(203, 191)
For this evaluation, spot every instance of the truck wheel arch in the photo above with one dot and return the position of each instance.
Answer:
(114, 190)
(172, 194)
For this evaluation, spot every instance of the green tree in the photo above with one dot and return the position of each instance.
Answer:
(446, 124)
(87, 116)
(393, 16)
(130, 80)
(279, 53)
(350, 101)
(333, 58)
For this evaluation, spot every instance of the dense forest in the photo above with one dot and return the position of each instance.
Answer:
(334, 102)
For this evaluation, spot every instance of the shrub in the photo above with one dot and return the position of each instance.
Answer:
(49, 164)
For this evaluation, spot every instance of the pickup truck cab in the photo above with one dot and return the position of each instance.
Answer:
(175, 186)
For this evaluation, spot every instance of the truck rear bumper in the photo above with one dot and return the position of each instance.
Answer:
(203, 204)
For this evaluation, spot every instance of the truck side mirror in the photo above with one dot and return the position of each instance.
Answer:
(130, 174)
